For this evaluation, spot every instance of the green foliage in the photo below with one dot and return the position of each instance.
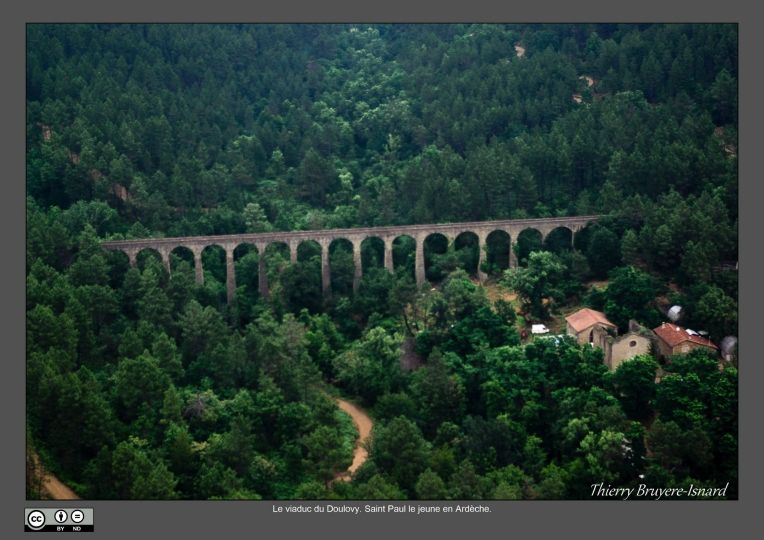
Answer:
(255, 218)
(717, 313)
(400, 449)
(300, 286)
(378, 488)
(326, 453)
(465, 483)
(680, 451)
(280, 351)
(553, 483)
(139, 383)
(137, 476)
(430, 486)
(630, 249)
(604, 455)
(371, 367)
(324, 341)
(603, 252)
(392, 405)
(631, 295)
(438, 395)
(537, 282)
(139, 131)
(634, 382)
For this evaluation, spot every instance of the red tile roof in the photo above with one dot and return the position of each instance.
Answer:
(584, 318)
(673, 335)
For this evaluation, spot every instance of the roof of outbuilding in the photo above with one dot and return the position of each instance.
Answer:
(584, 318)
(673, 335)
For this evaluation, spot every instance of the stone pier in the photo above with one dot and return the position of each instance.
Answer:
(230, 274)
(326, 273)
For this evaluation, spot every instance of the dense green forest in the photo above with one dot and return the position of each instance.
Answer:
(143, 385)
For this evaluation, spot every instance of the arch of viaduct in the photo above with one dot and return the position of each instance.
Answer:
(197, 244)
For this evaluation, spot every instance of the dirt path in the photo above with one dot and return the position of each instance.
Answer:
(51, 487)
(363, 423)
(494, 292)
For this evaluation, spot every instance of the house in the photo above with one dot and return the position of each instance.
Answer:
(593, 327)
(589, 326)
(638, 340)
(673, 339)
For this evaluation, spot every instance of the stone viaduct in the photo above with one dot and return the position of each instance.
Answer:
(197, 244)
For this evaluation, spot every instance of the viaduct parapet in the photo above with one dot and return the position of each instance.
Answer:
(324, 237)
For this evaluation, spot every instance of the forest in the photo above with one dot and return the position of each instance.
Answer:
(142, 384)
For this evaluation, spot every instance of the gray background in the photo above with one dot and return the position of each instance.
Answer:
(539, 519)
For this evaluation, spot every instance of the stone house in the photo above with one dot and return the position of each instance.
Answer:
(638, 340)
(589, 326)
(673, 339)
(593, 327)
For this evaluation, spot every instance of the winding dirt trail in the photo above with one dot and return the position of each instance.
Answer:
(51, 486)
(364, 424)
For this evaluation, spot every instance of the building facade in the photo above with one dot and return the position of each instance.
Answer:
(589, 326)
(673, 339)
(593, 327)
(638, 340)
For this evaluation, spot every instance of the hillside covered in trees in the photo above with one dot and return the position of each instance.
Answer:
(143, 385)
